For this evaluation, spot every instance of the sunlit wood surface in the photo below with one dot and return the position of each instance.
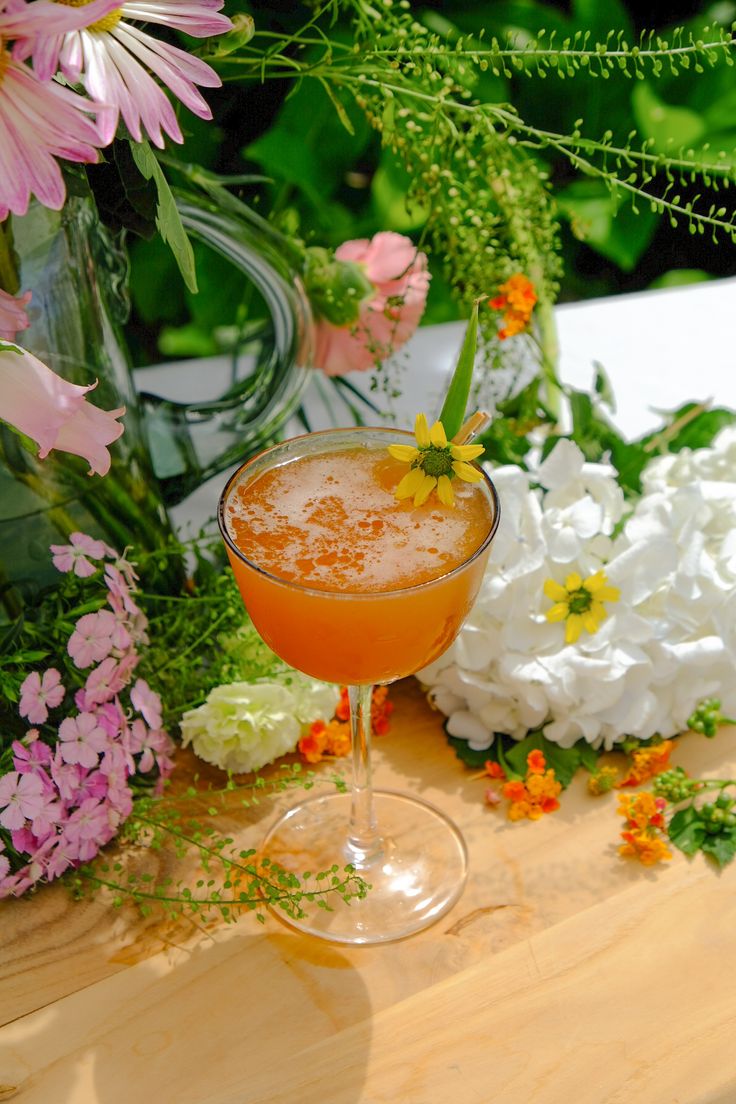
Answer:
(563, 974)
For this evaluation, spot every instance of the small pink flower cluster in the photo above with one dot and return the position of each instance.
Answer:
(70, 787)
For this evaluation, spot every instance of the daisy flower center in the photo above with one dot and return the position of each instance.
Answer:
(105, 24)
(436, 461)
(580, 601)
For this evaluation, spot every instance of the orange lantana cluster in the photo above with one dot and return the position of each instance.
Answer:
(648, 762)
(537, 794)
(516, 299)
(331, 739)
(642, 836)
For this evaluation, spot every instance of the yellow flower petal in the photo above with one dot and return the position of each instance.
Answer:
(558, 612)
(466, 472)
(595, 582)
(437, 435)
(410, 484)
(421, 431)
(599, 611)
(607, 594)
(445, 492)
(426, 487)
(591, 623)
(466, 452)
(554, 591)
(573, 582)
(405, 453)
(573, 628)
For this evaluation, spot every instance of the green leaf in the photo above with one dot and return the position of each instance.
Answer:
(687, 831)
(475, 759)
(168, 219)
(605, 224)
(602, 386)
(721, 847)
(563, 761)
(452, 414)
(308, 145)
(671, 128)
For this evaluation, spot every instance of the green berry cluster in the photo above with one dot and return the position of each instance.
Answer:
(707, 717)
(718, 816)
(674, 785)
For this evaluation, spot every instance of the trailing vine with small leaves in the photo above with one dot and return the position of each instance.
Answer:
(223, 878)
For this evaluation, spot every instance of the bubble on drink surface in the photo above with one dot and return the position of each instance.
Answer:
(334, 524)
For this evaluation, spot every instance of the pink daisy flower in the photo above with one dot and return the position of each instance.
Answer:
(39, 693)
(13, 315)
(76, 555)
(114, 59)
(38, 123)
(81, 740)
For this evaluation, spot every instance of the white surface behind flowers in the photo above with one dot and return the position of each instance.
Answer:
(668, 642)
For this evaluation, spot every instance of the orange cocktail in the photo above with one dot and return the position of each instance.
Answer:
(349, 585)
(340, 579)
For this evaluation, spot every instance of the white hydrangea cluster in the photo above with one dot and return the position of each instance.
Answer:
(244, 725)
(668, 642)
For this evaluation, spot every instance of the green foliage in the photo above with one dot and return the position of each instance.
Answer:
(223, 879)
(200, 637)
(168, 220)
(511, 755)
(461, 127)
(455, 405)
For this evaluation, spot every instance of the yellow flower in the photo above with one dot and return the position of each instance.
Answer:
(433, 463)
(580, 603)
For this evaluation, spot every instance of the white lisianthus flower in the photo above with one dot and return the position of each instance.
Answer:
(634, 654)
(245, 725)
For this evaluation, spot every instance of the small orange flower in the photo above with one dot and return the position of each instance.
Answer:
(647, 849)
(313, 744)
(648, 762)
(537, 794)
(494, 770)
(644, 824)
(342, 710)
(535, 761)
(381, 710)
(516, 299)
(515, 791)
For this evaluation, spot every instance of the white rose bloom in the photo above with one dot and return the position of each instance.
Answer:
(668, 642)
(244, 725)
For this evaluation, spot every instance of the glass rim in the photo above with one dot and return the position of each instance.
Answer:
(348, 595)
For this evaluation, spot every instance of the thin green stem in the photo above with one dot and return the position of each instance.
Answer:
(200, 640)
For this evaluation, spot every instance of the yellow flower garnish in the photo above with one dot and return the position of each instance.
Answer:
(580, 603)
(433, 462)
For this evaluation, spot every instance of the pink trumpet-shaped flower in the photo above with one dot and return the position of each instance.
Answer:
(13, 315)
(53, 412)
(389, 317)
(38, 123)
(112, 58)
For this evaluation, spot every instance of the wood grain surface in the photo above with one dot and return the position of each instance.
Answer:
(563, 974)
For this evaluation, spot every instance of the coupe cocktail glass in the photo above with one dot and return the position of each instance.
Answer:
(342, 585)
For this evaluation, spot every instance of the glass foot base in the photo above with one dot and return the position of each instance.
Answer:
(416, 873)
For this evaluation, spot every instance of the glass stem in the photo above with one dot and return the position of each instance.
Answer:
(364, 842)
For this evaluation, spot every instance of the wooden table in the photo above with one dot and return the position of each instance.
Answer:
(564, 974)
